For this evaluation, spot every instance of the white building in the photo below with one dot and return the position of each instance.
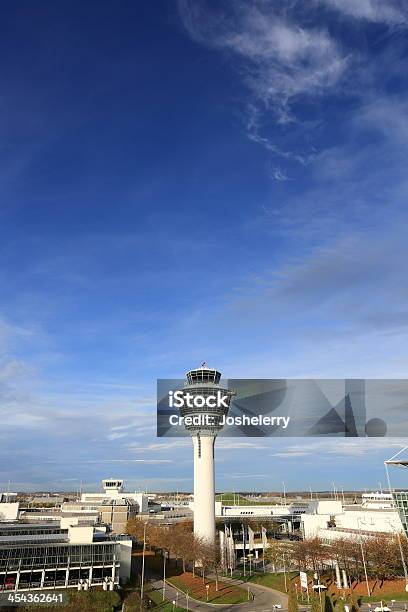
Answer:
(114, 490)
(351, 521)
(294, 509)
(326, 519)
(377, 500)
(9, 507)
(9, 511)
(49, 556)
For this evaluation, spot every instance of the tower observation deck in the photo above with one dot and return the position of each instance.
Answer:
(205, 406)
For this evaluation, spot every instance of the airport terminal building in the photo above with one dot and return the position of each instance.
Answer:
(45, 556)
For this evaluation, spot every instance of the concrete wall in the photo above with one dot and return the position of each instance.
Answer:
(125, 559)
(9, 511)
(375, 520)
(80, 534)
(312, 524)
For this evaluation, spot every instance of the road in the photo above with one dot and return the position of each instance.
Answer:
(262, 601)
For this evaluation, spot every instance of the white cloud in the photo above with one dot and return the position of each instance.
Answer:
(243, 475)
(391, 12)
(148, 461)
(254, 132)
(234, 444)
(278, 175)
(116, 436)
(340, 447)
(279, 58)
(167, 444)
(387, 115)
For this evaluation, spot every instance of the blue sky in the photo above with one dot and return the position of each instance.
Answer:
(188, 181)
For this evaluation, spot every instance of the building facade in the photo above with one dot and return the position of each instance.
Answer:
(45, 556)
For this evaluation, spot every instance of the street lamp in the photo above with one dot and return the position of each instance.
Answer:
(401, 553)
(284, 571)
(164, 574)
(207, 586)
(143, 567)
(363, 557)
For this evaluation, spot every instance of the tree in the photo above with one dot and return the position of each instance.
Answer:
(135, 528)
(381, 555)
(208, 556)
(184, 546)
(275, 553)
(292, 601)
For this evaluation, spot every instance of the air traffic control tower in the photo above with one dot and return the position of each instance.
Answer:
(208, 403)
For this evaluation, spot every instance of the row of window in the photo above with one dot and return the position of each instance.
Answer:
(52, 556)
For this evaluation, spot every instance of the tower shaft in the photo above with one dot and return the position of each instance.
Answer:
(204, 487)
(205, 405)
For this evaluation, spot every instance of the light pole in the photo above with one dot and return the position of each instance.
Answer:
(143, 568)
(187, 596)
(363, 557)
(284, 571)
(207, 587)
(243, 547)
(402, 555)
(164, 574)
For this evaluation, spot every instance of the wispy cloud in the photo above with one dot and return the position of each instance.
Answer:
(278, 175)
(165, 445)
(147, 461)
(253, 124)
(339, 447)
(229, 444)
(391, 12)
(279, 58)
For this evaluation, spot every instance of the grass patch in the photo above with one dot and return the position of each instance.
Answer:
(86, 601)
(228, 499)
(274, 581)
(385, 597)
(226, 594)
